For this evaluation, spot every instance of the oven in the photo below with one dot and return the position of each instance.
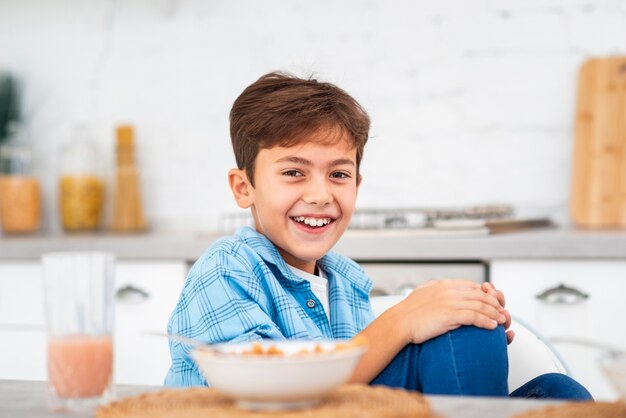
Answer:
(400, 278)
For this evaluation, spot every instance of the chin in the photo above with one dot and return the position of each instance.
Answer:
(312, 255)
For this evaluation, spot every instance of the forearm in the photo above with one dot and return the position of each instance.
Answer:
(385, 339)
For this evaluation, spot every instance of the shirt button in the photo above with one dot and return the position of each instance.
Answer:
(310, 303)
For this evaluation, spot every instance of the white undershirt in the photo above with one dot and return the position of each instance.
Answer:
(319, 286)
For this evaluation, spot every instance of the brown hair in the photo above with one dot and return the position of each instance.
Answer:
(280, 109)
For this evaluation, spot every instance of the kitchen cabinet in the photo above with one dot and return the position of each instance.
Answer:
(569, 301)
(22, 335)
(146, 293)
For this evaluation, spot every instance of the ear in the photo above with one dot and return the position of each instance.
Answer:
(241, 188)
(358, 183)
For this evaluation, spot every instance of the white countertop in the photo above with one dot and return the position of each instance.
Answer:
(544, 243)
(360, 245)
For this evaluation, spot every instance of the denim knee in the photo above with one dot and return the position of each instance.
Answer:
(485, 337)
(466, 361)
(553, 386)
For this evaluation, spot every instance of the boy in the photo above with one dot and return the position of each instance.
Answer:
(298, 145)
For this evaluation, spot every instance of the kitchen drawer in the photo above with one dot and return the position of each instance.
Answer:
(21, 294)
(146, 294)
(566, 300)
(401, 278)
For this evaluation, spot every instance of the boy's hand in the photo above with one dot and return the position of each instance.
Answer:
(439, 306)
(491, 289)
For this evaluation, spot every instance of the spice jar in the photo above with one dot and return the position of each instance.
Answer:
(20, 194)
(81, 184)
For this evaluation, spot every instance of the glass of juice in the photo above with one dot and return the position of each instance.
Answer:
(78, 294)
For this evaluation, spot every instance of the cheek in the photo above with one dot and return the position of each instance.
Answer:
(276, 201)
(282, 194)
(348, 203)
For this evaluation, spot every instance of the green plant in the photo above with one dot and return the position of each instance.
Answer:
(9, 103)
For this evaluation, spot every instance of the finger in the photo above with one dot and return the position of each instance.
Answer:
(484, 297)
(486, 286)
(507, 322)
(491, 289)
(510, 336)
(485, 309)
(501, 298)
(472, 317)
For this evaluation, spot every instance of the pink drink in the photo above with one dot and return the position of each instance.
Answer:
(80, 366)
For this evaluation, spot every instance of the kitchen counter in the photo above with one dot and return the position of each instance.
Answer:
(26, 399)
(391, 245)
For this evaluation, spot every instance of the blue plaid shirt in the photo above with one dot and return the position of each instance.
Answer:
(241, 289)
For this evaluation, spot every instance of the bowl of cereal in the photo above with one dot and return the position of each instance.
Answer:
(276, 375)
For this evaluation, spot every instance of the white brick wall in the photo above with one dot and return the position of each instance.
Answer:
(471, 101)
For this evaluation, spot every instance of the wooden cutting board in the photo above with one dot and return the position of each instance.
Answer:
(598, 197)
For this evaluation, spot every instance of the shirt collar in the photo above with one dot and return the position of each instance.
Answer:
(331, 262)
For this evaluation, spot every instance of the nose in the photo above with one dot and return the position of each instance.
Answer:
(318, 192)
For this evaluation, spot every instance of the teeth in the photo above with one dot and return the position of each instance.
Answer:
(312, 221)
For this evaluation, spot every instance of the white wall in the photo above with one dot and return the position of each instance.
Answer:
(471, 101)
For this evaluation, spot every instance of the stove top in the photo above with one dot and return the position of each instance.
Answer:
(465, 217)
(471, 220)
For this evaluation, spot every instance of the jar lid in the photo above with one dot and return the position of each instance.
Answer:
(81, 154)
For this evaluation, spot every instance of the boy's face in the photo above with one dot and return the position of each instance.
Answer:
(304, 196)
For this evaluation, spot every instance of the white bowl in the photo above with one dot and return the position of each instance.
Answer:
(273, 382)
(614, 366)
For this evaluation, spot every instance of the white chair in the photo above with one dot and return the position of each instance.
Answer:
(530, 354)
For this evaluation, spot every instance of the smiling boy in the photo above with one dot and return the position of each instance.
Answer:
(305, 197)
(298, 146)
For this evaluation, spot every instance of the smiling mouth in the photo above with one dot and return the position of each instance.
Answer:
(313, 222)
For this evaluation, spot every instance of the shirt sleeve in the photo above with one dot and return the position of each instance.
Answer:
(222, 301)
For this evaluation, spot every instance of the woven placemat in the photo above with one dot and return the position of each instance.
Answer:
(347, 401)
(579, 410)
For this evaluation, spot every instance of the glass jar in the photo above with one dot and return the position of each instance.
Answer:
(81, 184)
(20, 193)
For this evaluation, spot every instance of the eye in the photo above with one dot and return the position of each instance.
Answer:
(340, 175)
(292, 173)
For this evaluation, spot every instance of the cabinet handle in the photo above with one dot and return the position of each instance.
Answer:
(130, 293)
(562, 295)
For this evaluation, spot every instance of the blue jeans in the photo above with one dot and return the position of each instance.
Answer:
(469, 361)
